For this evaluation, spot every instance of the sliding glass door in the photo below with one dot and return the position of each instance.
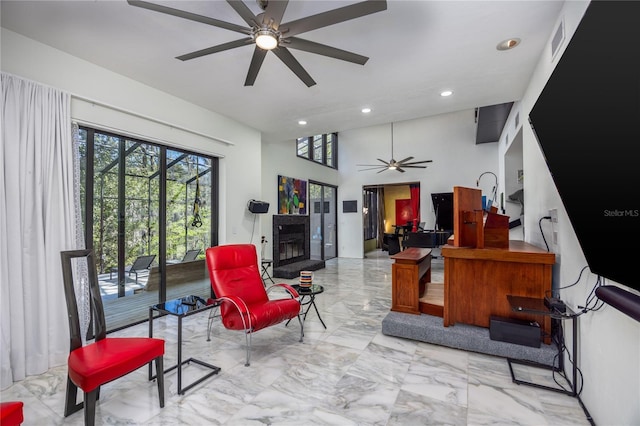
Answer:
(323, 218)
(150, 213)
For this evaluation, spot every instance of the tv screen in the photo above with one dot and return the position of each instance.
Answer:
(587, 123)
(443, 209)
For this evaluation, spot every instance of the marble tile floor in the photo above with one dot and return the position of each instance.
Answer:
(348, 374)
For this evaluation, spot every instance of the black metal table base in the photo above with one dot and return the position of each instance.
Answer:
(311, 294)
(180, 363)
(537, 306)
(265, 272)
(572, 386)
(309, 304)
(182, 390)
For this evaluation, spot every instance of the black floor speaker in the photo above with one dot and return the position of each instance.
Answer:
(520, 332)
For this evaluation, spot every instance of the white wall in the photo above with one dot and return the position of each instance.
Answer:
(240, 177)
(447, 139)
(609, 351)
(281, 159)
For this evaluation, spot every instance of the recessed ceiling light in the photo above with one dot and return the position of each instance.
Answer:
(366, 110)
(302, 122)
(446, 93)
(507, 44)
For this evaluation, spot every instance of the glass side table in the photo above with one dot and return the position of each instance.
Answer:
(310, 293)
(181, 308)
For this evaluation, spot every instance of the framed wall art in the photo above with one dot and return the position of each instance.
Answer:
(292, 195)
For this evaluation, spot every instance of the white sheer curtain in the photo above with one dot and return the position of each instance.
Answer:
(37, 221)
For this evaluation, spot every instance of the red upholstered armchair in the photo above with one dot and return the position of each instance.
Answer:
(244, 301)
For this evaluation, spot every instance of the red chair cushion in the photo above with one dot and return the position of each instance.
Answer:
(262, 315)
(100, 362)
(11, 413)
(233, 270)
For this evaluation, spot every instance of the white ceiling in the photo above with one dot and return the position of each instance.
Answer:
(416, 50)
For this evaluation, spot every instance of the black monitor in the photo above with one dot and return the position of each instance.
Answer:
(587, 122)
(443, 209)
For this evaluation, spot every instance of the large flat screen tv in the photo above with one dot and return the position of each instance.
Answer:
(587, 123)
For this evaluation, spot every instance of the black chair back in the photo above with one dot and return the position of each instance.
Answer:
(75, 264)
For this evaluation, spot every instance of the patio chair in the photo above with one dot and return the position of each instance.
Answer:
(191, 255)
(100, 359)
(141, 263)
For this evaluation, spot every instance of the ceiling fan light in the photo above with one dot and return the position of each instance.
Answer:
(266, 39)
(392, 167)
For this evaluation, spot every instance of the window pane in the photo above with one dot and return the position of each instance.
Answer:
(322, 149)
(303, 147)
(317, 148)
(140, 199)
(329, 150)
(105, 198)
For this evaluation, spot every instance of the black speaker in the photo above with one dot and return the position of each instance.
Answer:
(256, 206)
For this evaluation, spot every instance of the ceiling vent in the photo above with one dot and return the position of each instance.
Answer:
(491, 121)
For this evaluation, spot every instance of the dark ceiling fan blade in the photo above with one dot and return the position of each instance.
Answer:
(215, 49)
(256, 63)
(190, 16)
(331, 17)
(245, 13)
(400, 170)
(293, 64)
(374, 168)
(386, 168)
(274, 12)
(412, 167)
(322, 49)
(385, 162)
(417, 162)
(406, 159)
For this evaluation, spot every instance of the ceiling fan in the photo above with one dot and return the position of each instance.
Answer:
(268, 33)
(393, 164)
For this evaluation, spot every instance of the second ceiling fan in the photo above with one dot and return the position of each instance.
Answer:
(268, 33)
(392, 164)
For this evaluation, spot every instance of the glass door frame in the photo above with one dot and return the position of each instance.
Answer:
(89, 182)
(322, 216)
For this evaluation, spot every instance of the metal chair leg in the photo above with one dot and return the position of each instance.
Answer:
(248, 339)
(212, 316)
(301, 328)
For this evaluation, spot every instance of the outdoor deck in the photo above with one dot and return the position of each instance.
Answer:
(134, 307)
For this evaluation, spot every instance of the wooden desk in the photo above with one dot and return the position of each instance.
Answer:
(477, 282)
(410, 273)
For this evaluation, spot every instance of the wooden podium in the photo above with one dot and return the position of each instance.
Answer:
(474, 227)
(482, 267)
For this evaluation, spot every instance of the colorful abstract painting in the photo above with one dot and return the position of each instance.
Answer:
(292, 195)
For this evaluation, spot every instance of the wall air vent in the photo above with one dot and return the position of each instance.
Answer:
(557, 40)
